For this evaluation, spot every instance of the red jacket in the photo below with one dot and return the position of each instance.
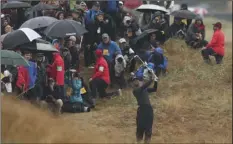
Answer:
(22, 78)
(57, 70)
(101, 68)
(218, 42)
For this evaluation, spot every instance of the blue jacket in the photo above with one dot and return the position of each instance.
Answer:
(165, 61)
(32, 70)
(76, 94)
(112, 6)
(139, 73)
(109, 50)
(90, 16)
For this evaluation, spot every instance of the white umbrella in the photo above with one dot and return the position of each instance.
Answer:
(151, 7)
(46, 47)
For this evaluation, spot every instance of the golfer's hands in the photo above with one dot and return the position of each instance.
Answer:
(90, 79)
(145, 64)
(154, 77)
(203, 48)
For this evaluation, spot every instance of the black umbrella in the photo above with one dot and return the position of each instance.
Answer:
(144, 34)
(38, 22)
(64, 28)
(38, 46)
(19, 37)
(42, 6)
(186, 14)
(15, 5)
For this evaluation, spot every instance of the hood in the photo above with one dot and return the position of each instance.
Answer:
(159, 50)
(99, 53)
(150, 65)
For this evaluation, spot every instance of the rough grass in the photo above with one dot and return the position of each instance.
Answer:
(193, 104)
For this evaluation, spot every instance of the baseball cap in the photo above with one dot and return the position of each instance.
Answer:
(122, 40)
(83, 3)
(218, 24)
(120, 2)
(105, 35)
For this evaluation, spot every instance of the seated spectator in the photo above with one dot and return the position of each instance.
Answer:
(216, 46)
(75, 102)
(196, 34)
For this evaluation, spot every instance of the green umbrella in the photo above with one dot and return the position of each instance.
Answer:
(12, 58)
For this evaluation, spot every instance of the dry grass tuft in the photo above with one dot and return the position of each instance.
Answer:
(193, 104)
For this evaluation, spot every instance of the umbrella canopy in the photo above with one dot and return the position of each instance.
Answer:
(145, 34)
(151, 7)
(41, 6)
(64, 28)
(38, 45)
(12, 58)
(15, 5)
(19, 37)
(186, 14)
(38, 22)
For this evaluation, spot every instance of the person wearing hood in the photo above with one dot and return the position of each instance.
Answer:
(196, 33)
(177, 29)
(56, 71)
(157, 22)
(119, 69)
(101, 78)
(131, 27)
(216, 46)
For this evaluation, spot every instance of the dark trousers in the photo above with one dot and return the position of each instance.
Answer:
(98, 85)
(89, 56)
(111, 70)
(144, 122)
(87, 100)
(120, 80)
(59, 92)
(210, 52)
(76, 107)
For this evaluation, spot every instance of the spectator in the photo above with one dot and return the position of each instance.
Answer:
(90, 15)
(100, 79)
(216, 46)
(196, 34)
(74, 52)
(8, 29)
(60, 15)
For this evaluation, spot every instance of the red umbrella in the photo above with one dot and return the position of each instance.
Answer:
(132, 4)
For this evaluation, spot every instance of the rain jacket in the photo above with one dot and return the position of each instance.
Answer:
(112, 6)
(217, 43)
(141, 72)
(119, 67)
(101, 69)
(193, 29)
(173, 30)
(32, 71)
(57, 69)
(76, 94)
(109, 50)
(161, 61)
(23, 78)
(90, 16)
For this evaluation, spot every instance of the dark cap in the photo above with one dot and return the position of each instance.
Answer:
(218, 24)
(97, 4)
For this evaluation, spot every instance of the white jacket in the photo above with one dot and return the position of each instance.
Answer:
(119, 67)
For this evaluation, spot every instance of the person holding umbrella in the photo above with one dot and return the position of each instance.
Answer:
(216, 46)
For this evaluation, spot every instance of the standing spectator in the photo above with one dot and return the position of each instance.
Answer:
(216, 46)
(57, 73)
(74, 52)
(90, 15)
(110, 49)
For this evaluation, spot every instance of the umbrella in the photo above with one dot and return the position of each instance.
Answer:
(19, 37)
(12, 58)
(38, 45)
(186, 14)
(38, 22)
(64, 28)
(151, 7)
(15, 5)
(42, 6)
(145, 34)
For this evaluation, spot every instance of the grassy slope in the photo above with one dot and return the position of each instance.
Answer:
(193, 104)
